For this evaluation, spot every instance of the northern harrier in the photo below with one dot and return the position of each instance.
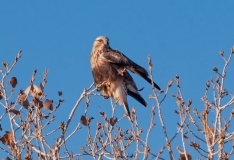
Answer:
(109, 69)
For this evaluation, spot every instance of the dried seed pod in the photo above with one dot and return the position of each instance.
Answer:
(34, 90)
(99, 124)
(215, 69)
(217, 79)
(60, 93)
(19, 54)
(207, 105)
(101, 113)
(170, 83)
(208, 84)
(5, 64)
(177, 78)
(22, 96)
(195, 111)
(232, 113)
(180, 103)
(176, 112)
(190, 102)
(221, 52)
(1, 95)
(133, 110)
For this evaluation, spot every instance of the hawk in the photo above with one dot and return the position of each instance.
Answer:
(109, 69)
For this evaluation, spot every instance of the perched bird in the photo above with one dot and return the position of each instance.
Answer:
(109, 69)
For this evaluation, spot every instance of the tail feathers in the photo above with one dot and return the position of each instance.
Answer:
(120, 95)
(128, 112)
(137, 97)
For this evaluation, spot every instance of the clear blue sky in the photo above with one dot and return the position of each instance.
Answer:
(182, 37)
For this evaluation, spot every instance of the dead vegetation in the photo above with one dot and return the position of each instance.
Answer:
(207, 133)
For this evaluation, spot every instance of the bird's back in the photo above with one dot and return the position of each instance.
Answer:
(102, 70)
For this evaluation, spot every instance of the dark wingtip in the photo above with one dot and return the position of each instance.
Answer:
(149, 80)
(155, 85)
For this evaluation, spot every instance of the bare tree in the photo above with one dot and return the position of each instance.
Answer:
(28, 137)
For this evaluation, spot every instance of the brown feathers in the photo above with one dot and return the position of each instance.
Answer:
(109, 69)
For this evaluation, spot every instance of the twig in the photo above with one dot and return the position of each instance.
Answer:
(159, 111)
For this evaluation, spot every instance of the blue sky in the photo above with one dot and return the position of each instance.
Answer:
(182, 37)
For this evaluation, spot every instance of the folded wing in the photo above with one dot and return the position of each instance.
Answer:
(120, 59)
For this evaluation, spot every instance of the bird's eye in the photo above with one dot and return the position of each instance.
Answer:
(100, 40)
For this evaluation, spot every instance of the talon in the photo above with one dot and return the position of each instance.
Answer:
(121, 71)
(100, 84)
(141, 89)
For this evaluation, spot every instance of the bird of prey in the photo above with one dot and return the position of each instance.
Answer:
(109, 69)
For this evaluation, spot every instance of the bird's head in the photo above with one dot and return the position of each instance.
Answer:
(101, 43)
